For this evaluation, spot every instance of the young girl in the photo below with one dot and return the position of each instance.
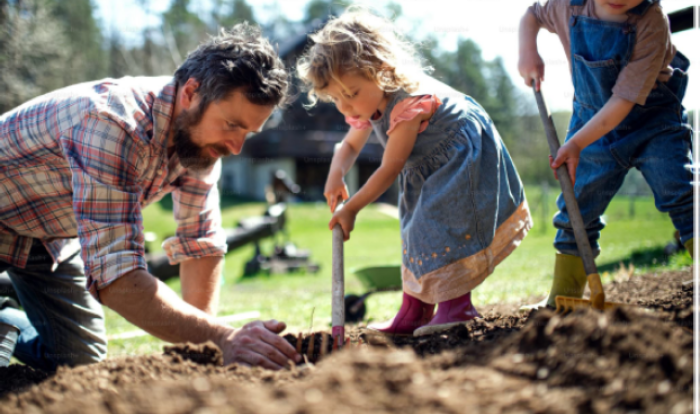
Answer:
(629, 82)
(461, 202)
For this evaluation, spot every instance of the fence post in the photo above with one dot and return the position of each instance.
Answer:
(631, 206)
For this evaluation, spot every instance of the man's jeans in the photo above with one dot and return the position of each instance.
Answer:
(63, 323)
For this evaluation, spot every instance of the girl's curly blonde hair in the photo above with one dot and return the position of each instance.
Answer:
(359, 41)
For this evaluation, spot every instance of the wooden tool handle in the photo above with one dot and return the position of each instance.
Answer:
(338, 304)
(567, 188)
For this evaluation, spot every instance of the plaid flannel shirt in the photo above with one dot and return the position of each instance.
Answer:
(83, 161)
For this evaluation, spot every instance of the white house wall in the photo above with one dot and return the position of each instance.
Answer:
(248, 177)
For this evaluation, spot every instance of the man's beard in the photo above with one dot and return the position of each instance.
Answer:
(191, 155)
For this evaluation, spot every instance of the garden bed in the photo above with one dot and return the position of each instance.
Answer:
(627, 360)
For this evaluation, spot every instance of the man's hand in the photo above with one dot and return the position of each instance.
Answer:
(258, 344)
(152, 306)
(570, 154)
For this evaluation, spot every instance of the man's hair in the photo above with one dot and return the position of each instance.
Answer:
(237, 59)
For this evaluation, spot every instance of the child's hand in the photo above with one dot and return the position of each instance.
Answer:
(346, 218)
(568, 153)
(531, 67)
(335, 190)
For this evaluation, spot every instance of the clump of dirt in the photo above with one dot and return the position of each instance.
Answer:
(622, 361)
(670, 294)
(206, 353)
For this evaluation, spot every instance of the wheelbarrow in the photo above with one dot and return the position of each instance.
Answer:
(374, 279)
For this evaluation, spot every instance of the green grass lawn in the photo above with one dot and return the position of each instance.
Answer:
(303, 301)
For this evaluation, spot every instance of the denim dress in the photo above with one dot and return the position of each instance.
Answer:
(461, 202)
(654, 138)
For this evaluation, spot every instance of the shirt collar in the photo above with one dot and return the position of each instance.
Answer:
(163, 108)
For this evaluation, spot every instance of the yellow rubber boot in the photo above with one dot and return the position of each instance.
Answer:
(689, 245)
(569, 278)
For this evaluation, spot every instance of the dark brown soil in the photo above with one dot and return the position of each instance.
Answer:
(630, 360)
(207, 353)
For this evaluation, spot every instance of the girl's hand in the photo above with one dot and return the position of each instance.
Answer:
(346, 218)
(335, 190)
(531, 67)
(568, 153)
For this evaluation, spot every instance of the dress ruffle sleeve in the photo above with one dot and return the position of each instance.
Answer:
(411, 107)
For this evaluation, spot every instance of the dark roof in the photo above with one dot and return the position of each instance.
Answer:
(291, 46)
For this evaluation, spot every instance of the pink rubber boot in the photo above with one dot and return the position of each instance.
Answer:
(450, 313)
(412, 315)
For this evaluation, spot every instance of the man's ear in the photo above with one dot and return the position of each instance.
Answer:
(188, 97)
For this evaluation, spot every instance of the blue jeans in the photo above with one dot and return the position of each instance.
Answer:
(664, 162)
(654, 138)
(63, 323)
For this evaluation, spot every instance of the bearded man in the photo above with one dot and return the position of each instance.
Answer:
(77, 167)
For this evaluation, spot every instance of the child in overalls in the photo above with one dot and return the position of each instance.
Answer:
(462, 205)
(629, 82)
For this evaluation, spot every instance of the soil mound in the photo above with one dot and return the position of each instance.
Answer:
(627, 359)
(624, 361)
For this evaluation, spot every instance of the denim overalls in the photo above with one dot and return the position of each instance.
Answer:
(654, 138)
(457, 188)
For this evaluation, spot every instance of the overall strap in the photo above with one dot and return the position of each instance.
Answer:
(576, 7)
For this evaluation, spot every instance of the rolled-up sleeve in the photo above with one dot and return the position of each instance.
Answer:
(550, 14)
(106, 200)
(638, 77)
(198, 215)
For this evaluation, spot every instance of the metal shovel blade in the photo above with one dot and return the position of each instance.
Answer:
(597, 301)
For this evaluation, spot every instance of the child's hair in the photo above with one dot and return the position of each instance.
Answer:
(363, 42)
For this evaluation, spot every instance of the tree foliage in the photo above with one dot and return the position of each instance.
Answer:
(48, 44)
(34, 51)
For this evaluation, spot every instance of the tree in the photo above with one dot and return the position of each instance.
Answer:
(84, 39)
(239, 11)
(502, 99)
(34, 52)
(118, 65)
(321, 9)
(182, 29)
